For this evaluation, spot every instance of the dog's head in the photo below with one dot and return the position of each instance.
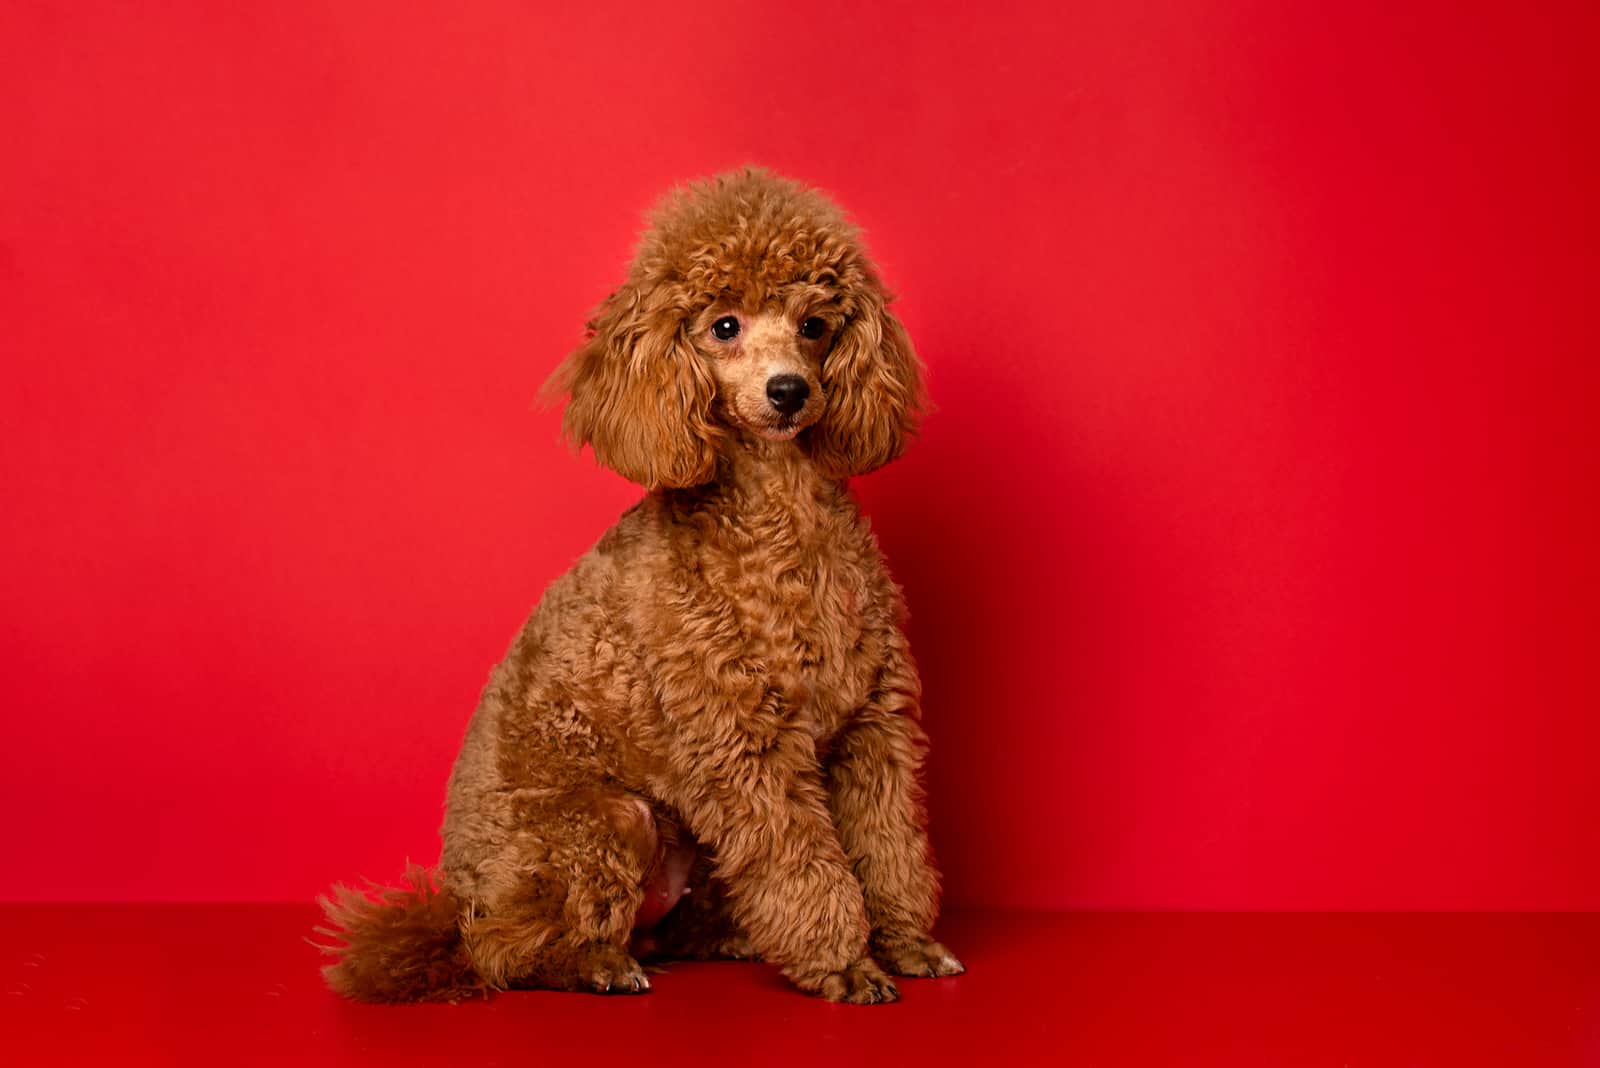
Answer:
(750, 308)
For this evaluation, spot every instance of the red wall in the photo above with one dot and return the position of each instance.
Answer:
(1251, 550)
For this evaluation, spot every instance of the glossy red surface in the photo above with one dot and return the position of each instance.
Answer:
(1251, 551)
(236, 985)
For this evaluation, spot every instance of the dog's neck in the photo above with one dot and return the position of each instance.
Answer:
(775, 481)
(760, 470)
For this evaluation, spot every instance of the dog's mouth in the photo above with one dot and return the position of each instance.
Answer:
(783, 430)
(776, 426)
(760, 419)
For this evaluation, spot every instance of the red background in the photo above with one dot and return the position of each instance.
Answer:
(1251, 550)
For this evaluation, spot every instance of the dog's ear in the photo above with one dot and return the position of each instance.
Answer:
(873, 383)
(640, 395)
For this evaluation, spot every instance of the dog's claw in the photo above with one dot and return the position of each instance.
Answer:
(921, 958)
(862, 983)
(609, 970)
(632, 983)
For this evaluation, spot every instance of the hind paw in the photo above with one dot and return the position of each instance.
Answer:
(608, 970)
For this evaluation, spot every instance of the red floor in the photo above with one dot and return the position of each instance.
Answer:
(235, 984)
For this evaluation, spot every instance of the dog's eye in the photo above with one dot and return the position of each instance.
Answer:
(813, 328)
(725, 328)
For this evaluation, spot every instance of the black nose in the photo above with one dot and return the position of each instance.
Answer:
(787, 393)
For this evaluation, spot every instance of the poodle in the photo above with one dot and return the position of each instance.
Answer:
(704, 742)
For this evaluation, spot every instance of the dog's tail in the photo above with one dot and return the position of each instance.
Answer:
(398, 943)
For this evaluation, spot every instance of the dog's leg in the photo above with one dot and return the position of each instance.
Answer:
(877, 806)
(751, 791)
(559, 899)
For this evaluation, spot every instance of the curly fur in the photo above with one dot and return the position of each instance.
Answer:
(402, 941)
(717, 702)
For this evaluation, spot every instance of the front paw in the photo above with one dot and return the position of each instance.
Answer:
(861, 983)
(921, 957)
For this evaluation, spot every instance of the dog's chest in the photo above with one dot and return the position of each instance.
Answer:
(801, 614)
